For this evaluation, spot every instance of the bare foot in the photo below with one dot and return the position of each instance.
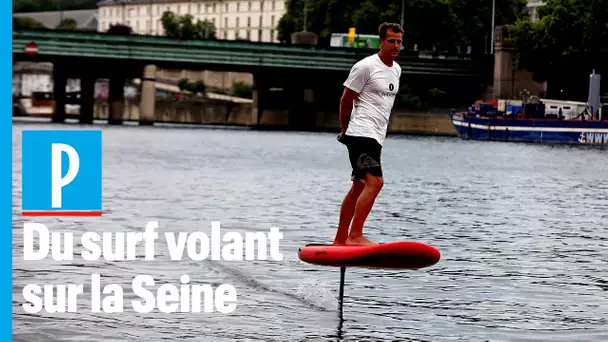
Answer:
(360, 241)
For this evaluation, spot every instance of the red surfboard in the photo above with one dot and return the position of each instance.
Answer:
(392, 255)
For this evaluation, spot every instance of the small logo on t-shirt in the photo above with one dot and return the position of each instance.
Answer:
(389, 93)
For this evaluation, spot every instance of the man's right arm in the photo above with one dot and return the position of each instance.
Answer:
(359, 74)
(346, 106)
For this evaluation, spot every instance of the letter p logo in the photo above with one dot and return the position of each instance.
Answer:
(62, 173)
(57, 180)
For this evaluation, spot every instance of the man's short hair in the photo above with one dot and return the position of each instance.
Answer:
(384, 27)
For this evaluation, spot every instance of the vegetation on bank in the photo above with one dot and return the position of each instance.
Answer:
(567, 42)
(443, 25)
(20, 6)
(239, 89)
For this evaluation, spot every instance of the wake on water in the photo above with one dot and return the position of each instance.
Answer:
(317, 294)
(310, 291)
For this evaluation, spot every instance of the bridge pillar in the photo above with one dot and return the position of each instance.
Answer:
(87, 98)
(147, 106)
(503, 66)
(302, 107)
(116, 98)
(59, 83)
(258, 100)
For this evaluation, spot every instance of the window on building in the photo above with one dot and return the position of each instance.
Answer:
(248, 21)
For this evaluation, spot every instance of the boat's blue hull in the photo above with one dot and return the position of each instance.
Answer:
(531, 130)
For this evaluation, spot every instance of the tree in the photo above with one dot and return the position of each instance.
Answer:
(21, 23)
(198, 87)
(241, 89)
(564, 45)
(119, 29)
(52, 5)
(474, 21)
(67, 24)
(441, 24)
(184, 27)
(194, 87)
(183, 84)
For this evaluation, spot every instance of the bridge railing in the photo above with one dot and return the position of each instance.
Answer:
(224, 52)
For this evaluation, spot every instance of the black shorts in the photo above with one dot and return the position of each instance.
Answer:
(364, 154)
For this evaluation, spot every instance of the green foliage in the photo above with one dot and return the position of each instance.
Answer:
(67, 24)
(241, 89)
(442, 24)
(436, 93)
(194, 87)
(564, 45)
(119, 29)
(197, 87)
(52, 5)
(183, 84)
(184, 27)
(24, 23)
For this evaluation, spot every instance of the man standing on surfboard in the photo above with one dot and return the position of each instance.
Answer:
(365, 109)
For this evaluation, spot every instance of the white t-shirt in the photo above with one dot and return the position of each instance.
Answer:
(377, 85)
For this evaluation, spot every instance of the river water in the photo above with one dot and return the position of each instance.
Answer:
(522, 230)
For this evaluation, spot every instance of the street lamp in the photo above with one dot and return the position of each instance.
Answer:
(492, 27)
(151, 24)
(402, 11)
(305, 14)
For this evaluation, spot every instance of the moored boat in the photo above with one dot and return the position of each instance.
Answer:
(535, 120)
(479, 127)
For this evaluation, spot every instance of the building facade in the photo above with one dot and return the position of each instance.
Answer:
(254, 20)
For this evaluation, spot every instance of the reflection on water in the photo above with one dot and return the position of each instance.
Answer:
(521, 228)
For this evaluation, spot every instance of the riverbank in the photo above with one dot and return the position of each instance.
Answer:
(219, 112)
